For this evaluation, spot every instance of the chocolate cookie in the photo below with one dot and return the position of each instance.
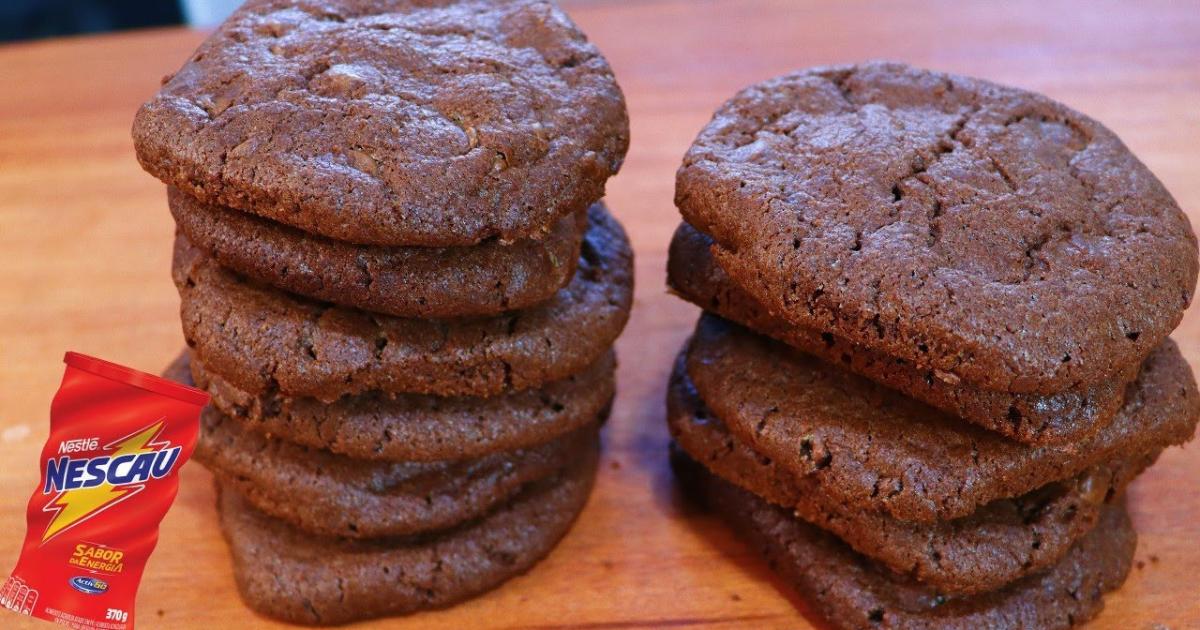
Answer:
(300, 578)
(327, 494)
(425, 282)
(868, 447)
(412, 427)
(1066, 416)
(262, 339)
(1000, 542)
(392, 123)
(986, 232)
(853, 593)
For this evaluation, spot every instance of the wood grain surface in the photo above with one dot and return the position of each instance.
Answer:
(85, 239)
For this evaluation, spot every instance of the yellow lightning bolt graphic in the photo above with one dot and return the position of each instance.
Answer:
(75, 506)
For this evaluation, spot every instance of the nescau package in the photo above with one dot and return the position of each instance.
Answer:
(109, 472)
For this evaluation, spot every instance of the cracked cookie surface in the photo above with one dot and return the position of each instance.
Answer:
(334, 495)
(263, 340)
(426, 282)
(301, 578)
(869, 447)
(999, 543)
(982, 231)
(413, 427)
(1059, 418)
(392, 123)
(852, 592)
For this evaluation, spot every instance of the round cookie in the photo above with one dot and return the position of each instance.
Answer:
(999, 543)
(985, 232)
(868, 447)
(434, 124)
(1039, 419)
(426, 282)
(296, 577)
(415, 428)
(852, 593)
(262, 339)
(333, 495)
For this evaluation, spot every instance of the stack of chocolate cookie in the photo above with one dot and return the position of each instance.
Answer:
(399, 286)
(935, 348)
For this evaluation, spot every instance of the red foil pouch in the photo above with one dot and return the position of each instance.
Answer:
(110, 471)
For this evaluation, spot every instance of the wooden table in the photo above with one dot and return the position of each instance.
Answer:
(85, 238)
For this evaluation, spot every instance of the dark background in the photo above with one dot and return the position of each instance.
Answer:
(33, 19)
